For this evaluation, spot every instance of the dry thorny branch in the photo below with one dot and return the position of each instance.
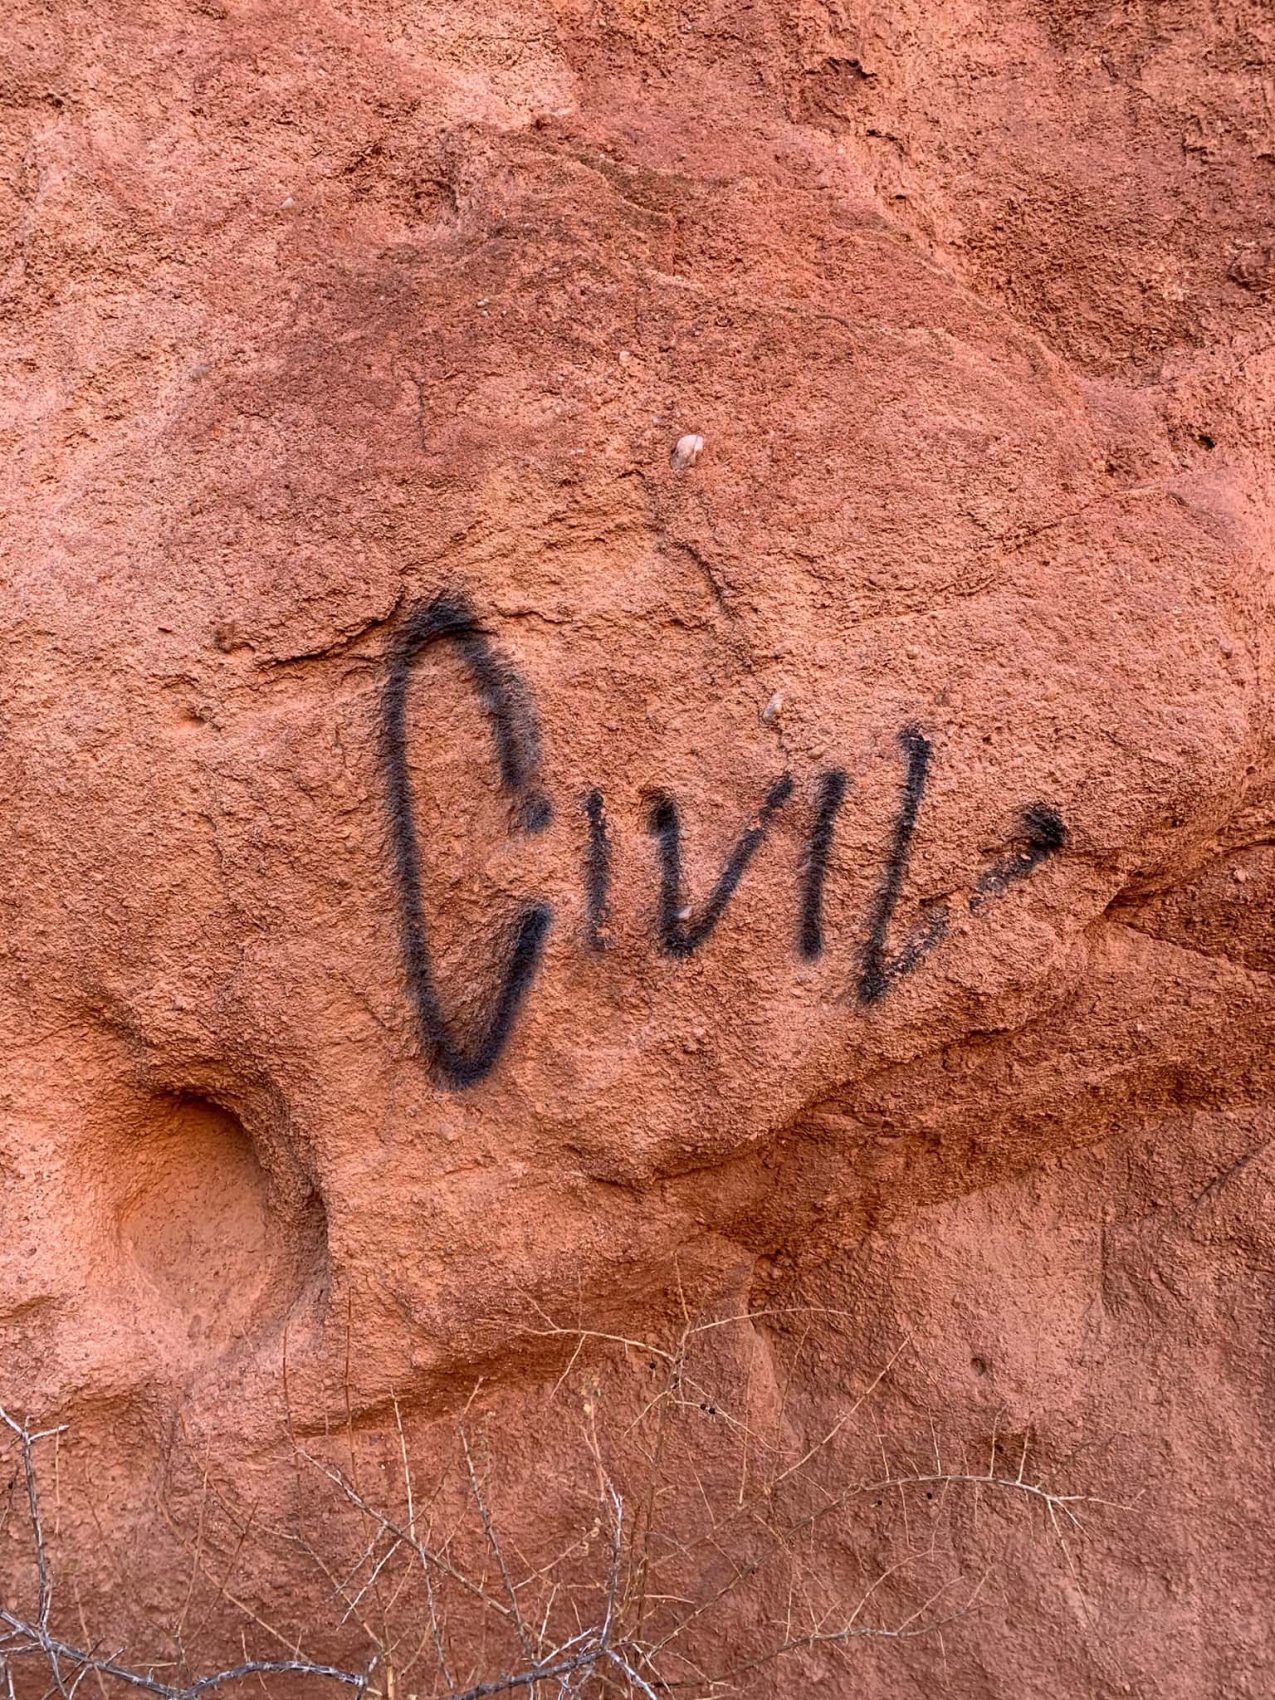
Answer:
(626, 1621)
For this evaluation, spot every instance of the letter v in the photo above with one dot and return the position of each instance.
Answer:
(679, 933)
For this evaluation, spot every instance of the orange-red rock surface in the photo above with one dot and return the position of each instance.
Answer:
(364, 652)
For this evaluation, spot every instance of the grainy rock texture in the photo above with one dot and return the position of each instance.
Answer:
(388, 706)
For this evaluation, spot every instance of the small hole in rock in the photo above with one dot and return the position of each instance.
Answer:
(194, 1216)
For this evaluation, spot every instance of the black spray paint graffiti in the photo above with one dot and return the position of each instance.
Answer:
(1043, 834)
(831, 795)
(879, 970)
(514, 734)
(597, 872)
(680, 932)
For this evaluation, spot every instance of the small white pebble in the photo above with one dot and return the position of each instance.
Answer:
(686, 451)
(772, 708)
(287, 202)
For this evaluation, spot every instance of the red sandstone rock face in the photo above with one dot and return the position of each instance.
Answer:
(319, 319)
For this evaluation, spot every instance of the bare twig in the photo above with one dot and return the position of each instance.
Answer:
(31, 1639)
(489, 1533)
(24, 1637)
(630, 1620)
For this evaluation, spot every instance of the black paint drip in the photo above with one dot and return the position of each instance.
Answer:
(1043, 835)
(513, 728)
(681, 934)
(879, 970)
(831, 795)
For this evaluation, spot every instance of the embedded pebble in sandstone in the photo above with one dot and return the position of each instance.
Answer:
(686, 451)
